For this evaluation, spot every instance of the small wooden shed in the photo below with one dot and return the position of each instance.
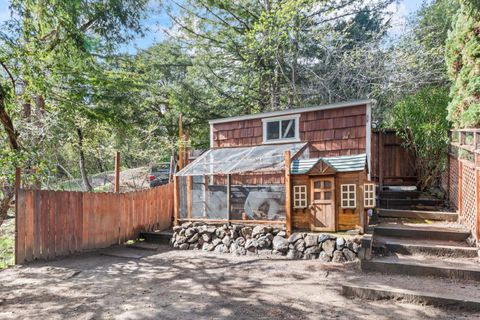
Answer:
(331, 193)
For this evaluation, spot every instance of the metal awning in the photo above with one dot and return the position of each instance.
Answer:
(223, 161)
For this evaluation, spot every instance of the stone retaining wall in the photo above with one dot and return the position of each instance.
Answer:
(260, 239)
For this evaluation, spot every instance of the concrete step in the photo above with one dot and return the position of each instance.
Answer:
(388, 194)
(419, 266)
(142, 245)
(421, 231)
(442, 300)
(413, 204)
(417, 214)
(157, 237)
(436, 248)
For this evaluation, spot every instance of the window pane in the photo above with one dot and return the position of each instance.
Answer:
(316, 195)
(344, 188)
(352, 203)
(327, 195)
(317, 184)
(352, 187)
(288, 129)
(273, 130)
(327, 184)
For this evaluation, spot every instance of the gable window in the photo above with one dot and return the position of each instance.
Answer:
(348, 196)
(281, 129)
(300, 197)
(369, 195)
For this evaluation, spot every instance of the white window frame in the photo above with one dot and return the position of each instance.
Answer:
(295, 117)
(298, 190)
(369, 195)
(348, 196)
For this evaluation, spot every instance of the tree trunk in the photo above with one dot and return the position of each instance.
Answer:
(12, 135)
(83, 170)
(7, 123)
(5, 203)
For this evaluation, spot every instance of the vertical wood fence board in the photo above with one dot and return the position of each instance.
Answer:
(29, 225)
(69, 216)
(85, 217)
(37, 224)
(51, 225)
(44, 195)
(20, 215)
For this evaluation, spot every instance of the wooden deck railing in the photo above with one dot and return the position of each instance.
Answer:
(462, 177)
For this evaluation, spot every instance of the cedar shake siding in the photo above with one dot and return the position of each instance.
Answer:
(331, 132)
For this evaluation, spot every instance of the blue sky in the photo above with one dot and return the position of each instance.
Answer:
(158, 21)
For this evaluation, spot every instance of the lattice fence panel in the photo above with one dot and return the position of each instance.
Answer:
(468, 216)
(453, 192)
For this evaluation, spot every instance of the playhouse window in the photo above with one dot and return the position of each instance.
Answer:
(369, 195)
(299, 197)
(348, 196)
(280, 129)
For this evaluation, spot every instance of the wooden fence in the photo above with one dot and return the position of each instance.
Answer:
(392, 164)
(57, 223)
(461, 180)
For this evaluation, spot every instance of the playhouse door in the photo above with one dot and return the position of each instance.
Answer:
(322, 208)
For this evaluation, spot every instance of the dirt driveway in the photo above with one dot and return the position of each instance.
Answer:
(191, 285)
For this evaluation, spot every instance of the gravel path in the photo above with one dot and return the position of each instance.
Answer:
(192, 285)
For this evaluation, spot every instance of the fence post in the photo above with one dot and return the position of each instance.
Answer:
(176, 200)
(288, 207)
(229, 198)
(117, 172)
(477, 201)
(460, 193)
(18, 180)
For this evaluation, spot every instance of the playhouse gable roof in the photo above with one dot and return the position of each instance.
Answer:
(336, 164)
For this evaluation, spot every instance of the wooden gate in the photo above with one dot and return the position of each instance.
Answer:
(392, 164)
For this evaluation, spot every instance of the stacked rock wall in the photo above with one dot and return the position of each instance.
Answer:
(261, 239)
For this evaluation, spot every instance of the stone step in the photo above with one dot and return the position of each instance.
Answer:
(417, 214)
(438, 248)
(157, 237)
(424, 267)
(421, 231)
(442, 300)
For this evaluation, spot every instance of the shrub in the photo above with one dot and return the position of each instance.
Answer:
(421, 121)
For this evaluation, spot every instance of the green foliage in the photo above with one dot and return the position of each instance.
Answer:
(463, 62)
(420, 120)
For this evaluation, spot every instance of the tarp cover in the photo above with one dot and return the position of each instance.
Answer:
(241, 160)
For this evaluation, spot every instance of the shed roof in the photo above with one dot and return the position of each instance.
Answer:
(339, 164)
(222, 161)
(295, 111)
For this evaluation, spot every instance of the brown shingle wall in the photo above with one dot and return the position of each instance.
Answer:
(331, 132)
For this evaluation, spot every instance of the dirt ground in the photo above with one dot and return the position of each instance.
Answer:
(169, 284)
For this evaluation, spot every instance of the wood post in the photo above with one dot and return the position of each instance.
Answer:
(176, 201)
(229, 197)
(288, 194)
(180, 149)
(477, 204)
(117, 172)
(187, 156)
(18, 180)
(460, 183)
(380, 158)
(189, 197)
